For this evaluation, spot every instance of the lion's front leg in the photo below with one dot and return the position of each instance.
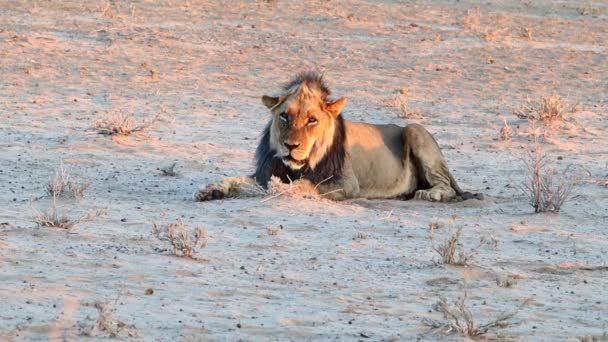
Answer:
(229, 188)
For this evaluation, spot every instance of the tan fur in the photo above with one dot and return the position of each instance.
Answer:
(382, 161)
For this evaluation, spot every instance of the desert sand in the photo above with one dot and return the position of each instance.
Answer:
(293, 268)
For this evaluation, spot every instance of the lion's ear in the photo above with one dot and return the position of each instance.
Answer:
(270, 101)
(335, 108)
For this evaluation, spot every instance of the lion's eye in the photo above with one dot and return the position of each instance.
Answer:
(283, 116)
(312, 121)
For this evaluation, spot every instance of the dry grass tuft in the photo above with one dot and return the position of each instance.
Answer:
(506, 280)
(452, 253)
(118, 123)
(549, 109)
(299, 188)
(169, 171)
(63, 185)
(401, 102)
(183, 243)
(459, 318)
(107, 323)
(274, 231)
(494, 35)
(506, 131)
(361, 236)
(526, 32)
(546, 188)
(472, 21)
(53, 219)
(594, 338)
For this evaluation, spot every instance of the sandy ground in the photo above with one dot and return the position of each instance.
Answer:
(357, 270)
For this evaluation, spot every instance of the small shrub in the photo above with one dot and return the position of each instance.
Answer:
(401, 102)
(107, 323)
(183, 243)
(459, 318)
(549, 109)
(63, 185)
(546, 188)
(118, 123)
(452, 253)
(52, 218)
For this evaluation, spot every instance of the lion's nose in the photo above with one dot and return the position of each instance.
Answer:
(291, 146)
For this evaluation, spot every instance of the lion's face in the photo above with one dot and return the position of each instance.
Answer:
(302, 128)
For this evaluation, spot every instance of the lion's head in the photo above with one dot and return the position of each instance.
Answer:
(303, 121)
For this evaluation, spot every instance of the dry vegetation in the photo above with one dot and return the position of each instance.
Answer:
(546, 188)
(54, 219)
(64, 185)
(506, 131)
(108, 324)
(506, 280)
(458, 318)
(401, 102)
(472, 20)
(552, 108)
(183, 243)
(526, 32)
(119, 123)
(452, 253)
(274, 231)
(594, 338)
(169, 171)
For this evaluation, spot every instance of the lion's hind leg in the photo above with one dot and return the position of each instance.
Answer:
(431, 165)
(236, 187)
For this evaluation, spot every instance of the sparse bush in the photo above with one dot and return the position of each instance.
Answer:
(459, 318)
(549, 109)
(183, 243)
(63, 185)
(118, 123)
(546, 188)
(452, 253)
(107, 323)
(52, 218)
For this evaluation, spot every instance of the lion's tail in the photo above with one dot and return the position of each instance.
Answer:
(464, 194)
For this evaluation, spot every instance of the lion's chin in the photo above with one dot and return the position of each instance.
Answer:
(292, 163)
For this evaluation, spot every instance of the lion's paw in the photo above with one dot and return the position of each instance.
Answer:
(435, 195)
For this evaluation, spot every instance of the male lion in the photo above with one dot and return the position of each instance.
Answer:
(308, 141)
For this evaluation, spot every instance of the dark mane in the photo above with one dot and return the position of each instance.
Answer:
(313, 79)
(328, 169)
